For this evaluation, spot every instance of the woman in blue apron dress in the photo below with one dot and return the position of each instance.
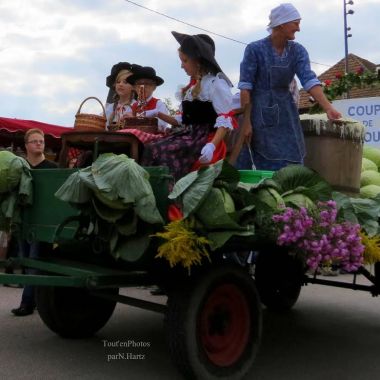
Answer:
(266, 72)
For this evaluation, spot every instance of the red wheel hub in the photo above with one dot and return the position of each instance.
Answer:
(225, 325)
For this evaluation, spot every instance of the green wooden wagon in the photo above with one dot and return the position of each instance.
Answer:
(212, 317)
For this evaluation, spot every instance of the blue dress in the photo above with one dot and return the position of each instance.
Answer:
(277, 133)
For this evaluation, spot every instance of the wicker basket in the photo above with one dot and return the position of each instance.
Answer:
(144, 124)
(90, 122)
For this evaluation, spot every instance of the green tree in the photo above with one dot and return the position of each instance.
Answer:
(171, 108)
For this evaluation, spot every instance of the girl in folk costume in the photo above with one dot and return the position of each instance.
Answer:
(206, 112)
(117, 111)
(127, 106)
(145, 82)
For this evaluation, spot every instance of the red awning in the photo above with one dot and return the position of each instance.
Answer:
(18, 125)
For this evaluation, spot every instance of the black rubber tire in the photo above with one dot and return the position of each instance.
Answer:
(279, 278)
(73, 312)
(213, 325)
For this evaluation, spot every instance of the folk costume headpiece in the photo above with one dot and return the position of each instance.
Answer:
(110, 81)
(281, 15)
(145, 72)
(200, 47)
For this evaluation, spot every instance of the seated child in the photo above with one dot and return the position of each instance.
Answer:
(123, 94)
(145, 81)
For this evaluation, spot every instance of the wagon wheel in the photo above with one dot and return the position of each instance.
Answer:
(73, 312)
(278, 278)
(213, 325)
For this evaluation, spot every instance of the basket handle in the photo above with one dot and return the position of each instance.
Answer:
(91, 97)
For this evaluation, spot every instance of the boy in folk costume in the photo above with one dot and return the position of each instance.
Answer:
(145, 82)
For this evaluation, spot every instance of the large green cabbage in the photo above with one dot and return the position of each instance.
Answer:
(269, 197)
(359, 210)
(369, 177)
(229, 204)
(369, 191)
(372, 154)
(299, 179)
(298, 200)
(368, 165)
(11, 168)
(213, 214)
(118, 182)
(194, 187)
(15, 188)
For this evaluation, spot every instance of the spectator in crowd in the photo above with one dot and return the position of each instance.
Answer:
(35, 146)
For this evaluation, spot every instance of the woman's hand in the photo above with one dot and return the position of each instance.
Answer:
(333, 114)
(317, 93)
(247, 132)
(247, 125)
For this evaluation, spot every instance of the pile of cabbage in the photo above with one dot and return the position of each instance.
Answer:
(370, 175)
(221, 207)
(15, 188)
(218, 206)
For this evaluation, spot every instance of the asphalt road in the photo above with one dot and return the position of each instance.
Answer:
(330, 334)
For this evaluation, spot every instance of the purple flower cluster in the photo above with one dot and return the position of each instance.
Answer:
(319, 237)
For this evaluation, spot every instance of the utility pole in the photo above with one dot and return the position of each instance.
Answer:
(346, 34)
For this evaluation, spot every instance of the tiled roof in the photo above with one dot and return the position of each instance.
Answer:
(354, 62)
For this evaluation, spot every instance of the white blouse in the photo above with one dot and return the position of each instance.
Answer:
(120, 111)
(126, 108)
(216, 90)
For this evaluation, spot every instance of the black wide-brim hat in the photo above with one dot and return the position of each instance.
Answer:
(110, 81)
(145, 72)
(200, 47)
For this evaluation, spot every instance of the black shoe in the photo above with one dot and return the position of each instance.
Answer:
(22, 311)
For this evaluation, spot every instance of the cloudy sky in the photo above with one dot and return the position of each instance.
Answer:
(55, 53)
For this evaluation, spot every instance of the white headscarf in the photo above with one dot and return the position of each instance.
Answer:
(282, 14)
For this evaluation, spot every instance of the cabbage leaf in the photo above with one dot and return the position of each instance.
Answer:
(194, 187)
(366, 212)
(302, 180)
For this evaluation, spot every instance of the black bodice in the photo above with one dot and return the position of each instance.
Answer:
(198, 112)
